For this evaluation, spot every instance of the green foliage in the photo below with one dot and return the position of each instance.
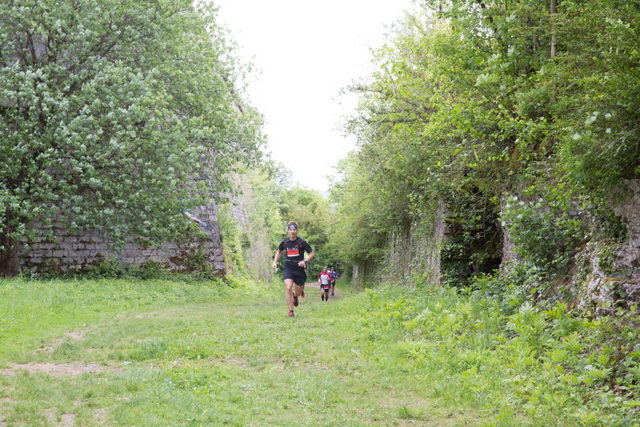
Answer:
(253, 238)
(470, 104)
(103, 124)
(519, 282)
(549, 365)
(109, 268)
(544, 234)
(231, 236)
(598, 92)
(266, 206)
(474, 246)
(198, 268)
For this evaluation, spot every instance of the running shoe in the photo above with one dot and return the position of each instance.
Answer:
(295, 301)
(290, 313)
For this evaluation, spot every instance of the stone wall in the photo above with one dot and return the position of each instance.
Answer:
(628, 208)
(413, 252)
(614, 273)
(69, 251)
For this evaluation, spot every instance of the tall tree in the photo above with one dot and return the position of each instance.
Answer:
(114, 115)
(476, 100)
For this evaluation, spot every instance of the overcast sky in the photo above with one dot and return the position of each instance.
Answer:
(304, 52)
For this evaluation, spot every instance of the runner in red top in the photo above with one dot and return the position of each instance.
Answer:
(324, 280)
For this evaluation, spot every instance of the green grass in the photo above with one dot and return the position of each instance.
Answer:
(202, 353)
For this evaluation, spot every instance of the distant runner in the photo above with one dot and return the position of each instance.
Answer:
(324, 280)
(334, 276)
(294, 264)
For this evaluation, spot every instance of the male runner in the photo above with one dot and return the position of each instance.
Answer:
(294, 264)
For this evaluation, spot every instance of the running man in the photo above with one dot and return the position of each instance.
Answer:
(294, 265)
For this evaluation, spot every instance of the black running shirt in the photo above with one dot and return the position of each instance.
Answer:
(294, 251)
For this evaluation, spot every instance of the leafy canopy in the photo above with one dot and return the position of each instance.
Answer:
(115, 115)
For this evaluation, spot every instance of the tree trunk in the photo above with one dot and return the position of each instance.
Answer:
(8, 255)
(552, 12)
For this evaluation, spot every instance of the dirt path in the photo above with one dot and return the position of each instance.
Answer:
(315, 285)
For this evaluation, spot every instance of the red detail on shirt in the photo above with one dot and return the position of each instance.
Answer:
(293, 252)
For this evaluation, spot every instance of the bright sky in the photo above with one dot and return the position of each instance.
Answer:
(304, 52)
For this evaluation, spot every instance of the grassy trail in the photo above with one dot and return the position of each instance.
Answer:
(87, 354)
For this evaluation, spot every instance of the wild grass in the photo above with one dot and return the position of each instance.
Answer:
(204, 353)
(532, 367)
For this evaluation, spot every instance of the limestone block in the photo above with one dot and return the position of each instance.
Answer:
(66, 246)
(44, 246)
(629, 210)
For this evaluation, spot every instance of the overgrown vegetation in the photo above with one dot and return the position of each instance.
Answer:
(521, 364)
(267, 203)
(497, 133)
(517, 118)
(104, 126)
(508, 127)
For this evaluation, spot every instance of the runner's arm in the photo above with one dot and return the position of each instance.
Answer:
(307, 259)
(276, 258)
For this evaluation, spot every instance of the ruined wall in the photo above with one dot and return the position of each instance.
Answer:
(614, 270)
(413, 254)
(76, 251)
(628, 208)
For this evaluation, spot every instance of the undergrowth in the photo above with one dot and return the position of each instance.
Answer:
(548, 366)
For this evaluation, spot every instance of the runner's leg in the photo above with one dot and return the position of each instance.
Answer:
(288, 292)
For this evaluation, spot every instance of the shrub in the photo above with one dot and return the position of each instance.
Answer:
(551, 366)
(546, 235)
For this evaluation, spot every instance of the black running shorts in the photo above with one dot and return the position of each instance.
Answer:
(298, 276)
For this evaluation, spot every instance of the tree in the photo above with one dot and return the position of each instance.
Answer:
(474, 101)
(115, 115)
